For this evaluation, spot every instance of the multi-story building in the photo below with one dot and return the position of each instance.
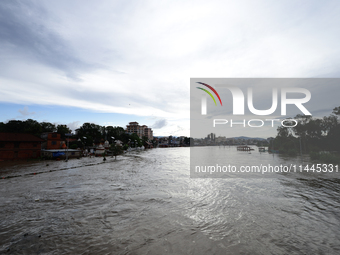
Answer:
(148, 133)
(52, 141)
(134, 127)
(141, 131)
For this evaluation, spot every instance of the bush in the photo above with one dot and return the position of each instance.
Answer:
(292, 152)
(314, 155)
(325, 157)
(329, 158)
(116, 150)
(74, 146)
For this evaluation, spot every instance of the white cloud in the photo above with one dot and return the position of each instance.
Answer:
(74, 125)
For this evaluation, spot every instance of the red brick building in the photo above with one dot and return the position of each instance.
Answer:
(52, 141)
(19, 146)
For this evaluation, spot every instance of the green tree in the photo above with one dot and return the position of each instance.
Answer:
(91, 131)
(116, 132)
(134, 137)
(336, 111)
(15, 126)
(62, 130)
(187, 141)
(48, 127)
(2, 127)
(116, 150)
(312, 134)
(32, 127)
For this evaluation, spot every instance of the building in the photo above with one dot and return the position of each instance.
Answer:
(141, 131)
(52, 141)
(148, 133)
(19, 146)
(134, 128)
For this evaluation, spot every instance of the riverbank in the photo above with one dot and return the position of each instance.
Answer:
(12, 169)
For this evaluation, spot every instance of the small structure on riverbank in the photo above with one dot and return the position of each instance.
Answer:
(100, 150)
(244, 148)
(61, 153)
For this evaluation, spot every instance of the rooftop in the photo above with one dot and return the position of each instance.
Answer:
(19, 137)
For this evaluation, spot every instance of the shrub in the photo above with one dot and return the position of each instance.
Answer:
(74, 146)
(329, 158)
(314, 155)
(325, 157)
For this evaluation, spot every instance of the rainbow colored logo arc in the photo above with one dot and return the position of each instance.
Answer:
(213, 90)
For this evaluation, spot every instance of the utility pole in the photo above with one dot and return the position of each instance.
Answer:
(68, 142)
(300, 146)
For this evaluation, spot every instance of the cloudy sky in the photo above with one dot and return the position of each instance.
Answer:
(112, 62)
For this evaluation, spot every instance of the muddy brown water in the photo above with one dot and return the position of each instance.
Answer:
(146, 203)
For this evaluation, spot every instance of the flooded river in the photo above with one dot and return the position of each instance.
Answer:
(146, 203)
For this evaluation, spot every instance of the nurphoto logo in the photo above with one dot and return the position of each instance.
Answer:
(238, 100)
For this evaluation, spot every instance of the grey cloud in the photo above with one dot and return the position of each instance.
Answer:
(23, 31)
(160, 124)
(25, 112)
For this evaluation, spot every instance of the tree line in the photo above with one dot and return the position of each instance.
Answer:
(32, 127)
(90, 133)
(310, 135)
(86, 135)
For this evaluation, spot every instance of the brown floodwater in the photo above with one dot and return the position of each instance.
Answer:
(146, 203)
